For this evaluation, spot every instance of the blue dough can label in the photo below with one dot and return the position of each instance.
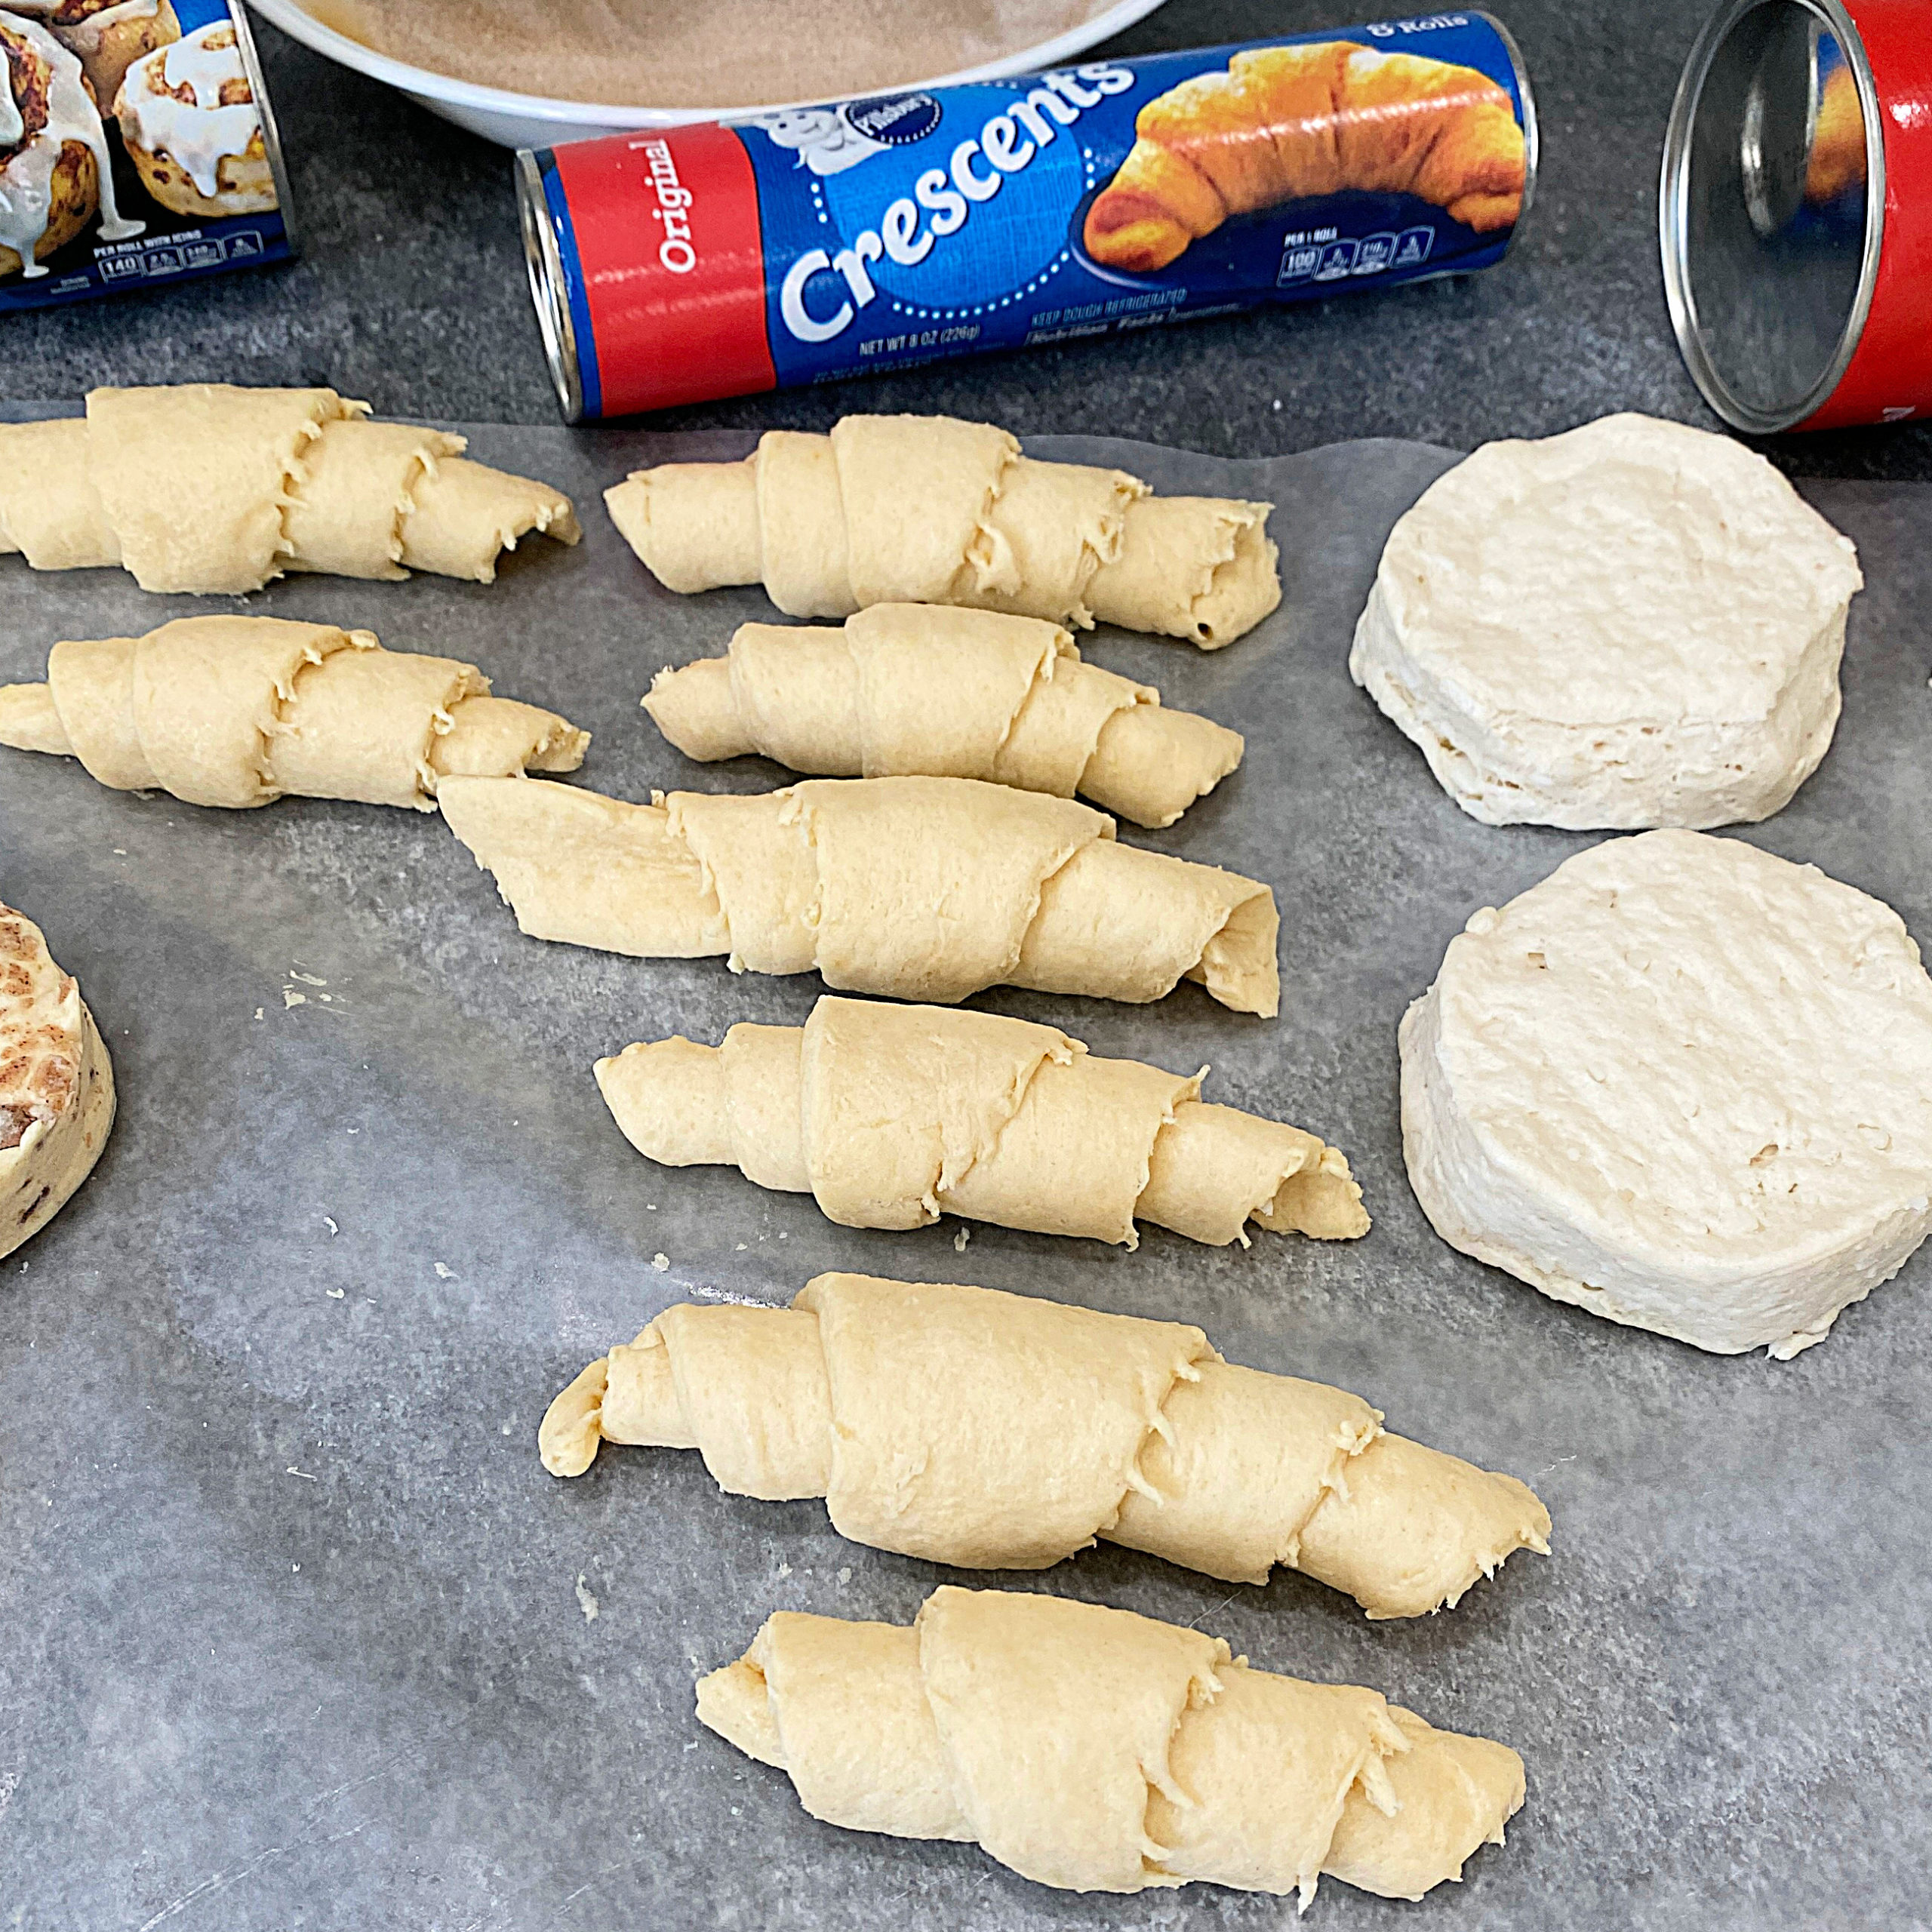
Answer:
(137, 148)
(810, 244)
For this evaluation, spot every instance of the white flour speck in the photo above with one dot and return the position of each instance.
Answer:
(445, 1274)
(585, 1601)
(290, 997)
(960, 1240)
(661, 1261)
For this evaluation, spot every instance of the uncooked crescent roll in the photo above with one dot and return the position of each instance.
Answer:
(993, 1432)
(1099, 1751)
(207, 488)
(242, 711)
(919, 888)
(927, 509)
(56, 1084)
(914, 689)
(890, 1116)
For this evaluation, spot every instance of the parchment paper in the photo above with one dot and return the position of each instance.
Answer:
(294, 1630)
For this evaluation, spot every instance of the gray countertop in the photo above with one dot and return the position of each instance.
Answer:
(411, 290)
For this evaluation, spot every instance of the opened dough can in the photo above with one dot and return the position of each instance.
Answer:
(1795, 213)
(136, 148)
(813, 243)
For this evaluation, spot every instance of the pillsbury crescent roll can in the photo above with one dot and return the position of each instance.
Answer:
(1795, 213)
(809, 243)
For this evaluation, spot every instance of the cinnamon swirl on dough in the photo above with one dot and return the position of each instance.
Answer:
(190, 124)
(54, 171)
(107, 36)
(56, 1084)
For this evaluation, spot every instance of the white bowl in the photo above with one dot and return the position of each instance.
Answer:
(532, 121)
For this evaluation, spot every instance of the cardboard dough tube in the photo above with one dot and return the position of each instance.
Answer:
(931, 510)
(208, 487)
(890, 1116)
(240, 711)
(920, 888)
(909, 690)
(1029, 1429)
(1096, 1750)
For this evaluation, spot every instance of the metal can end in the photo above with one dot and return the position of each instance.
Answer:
(542, 261)
(1768, 276)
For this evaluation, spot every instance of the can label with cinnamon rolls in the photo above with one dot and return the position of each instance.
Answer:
(136, 148)
(810, 244)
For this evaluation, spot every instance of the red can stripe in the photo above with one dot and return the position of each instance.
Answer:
(672, 260)
(1889, 376)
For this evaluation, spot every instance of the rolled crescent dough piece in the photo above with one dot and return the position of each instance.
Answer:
(993, 1432)
(927, 510)
(1634, 623)
(1092, 1749)
(890, 1116)
(1683, 1083)
(921, 888)
(56, 1084)
(208, 487)
(241, 711)
(912, 689)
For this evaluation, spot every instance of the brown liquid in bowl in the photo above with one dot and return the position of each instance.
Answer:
(688, 54)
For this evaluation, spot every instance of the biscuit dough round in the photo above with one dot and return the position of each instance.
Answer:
(1633, 624)
(1683, 1083)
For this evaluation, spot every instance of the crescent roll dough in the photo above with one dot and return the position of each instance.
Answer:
(208, 487)
(912, 689)
(1099, 1751)
(891, 1116)
(992, 1431)
(56, 1084)
(241, 711)
(927, 510)
(923, 888)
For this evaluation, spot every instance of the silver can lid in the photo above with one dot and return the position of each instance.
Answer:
(1771, 207)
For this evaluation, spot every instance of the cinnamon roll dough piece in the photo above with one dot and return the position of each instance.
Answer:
(240, 711)
(1096, 1750)
(208, 487)
(913, 689)
(890, 1116)
(994, 1431)
(56, 1084)
(922, 888)
(932, 510)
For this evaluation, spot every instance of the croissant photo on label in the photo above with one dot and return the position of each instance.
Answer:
(1286, 124)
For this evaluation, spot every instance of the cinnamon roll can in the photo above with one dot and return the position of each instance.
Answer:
(138, 148)
(1795, 213)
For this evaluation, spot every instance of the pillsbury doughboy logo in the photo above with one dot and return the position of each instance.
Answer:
(891, 229)
(896, 120)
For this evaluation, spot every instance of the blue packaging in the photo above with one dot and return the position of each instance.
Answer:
(136, 147)
(807, 244)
